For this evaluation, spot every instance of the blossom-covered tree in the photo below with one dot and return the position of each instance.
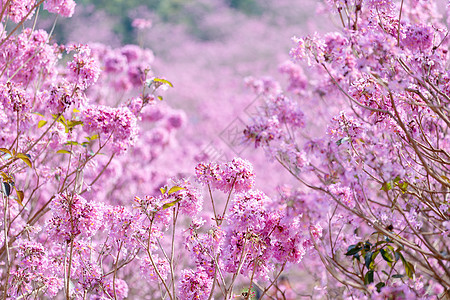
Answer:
(87, 212)
(380, 168)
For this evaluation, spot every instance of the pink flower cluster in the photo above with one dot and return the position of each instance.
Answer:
(72, 215)
(29, 57)
(141, 23)
(263, 131)
(127, 67)
(236, 175)
(194, 285)
(17, 10)
(117, 124)
(363, 132)
(65, 8)
(84, 69)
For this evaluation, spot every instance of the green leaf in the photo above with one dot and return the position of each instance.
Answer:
(73, 143)
(343, 140)
(25, 158)
(387, 256)
(5, 176)
(379, 286)
(387, 186)
(368, 278)
(353, 249)
(6, 188)
(409, 268)
(20, 196)
(170, 204)
(63, 120)
(163, 190)
(160, 98)
(72, 124)
(403, 187)
(163, 81)
(396, 255)
(175, 189)
(41, 123)
(397, 276)
(5, 151)
(60, 119)
(62, 151)
(380, 243)
(445, 178)
(39, 114)
(92, 138)
(369, 259)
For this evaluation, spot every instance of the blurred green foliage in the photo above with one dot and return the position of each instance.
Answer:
(121, 7)
(187, 12)
(249, 7)
(167, 8)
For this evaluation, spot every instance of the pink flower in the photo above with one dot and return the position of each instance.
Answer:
(120, 288)
(118, 123)
(237, 174)
(194, 285)
(65, 8)
(18, 9)
(148, 268)
(72, 215)
(84, 68)
(141, 23)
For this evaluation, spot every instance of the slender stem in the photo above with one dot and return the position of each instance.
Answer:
(211, 294)
(228, 200)
(69, 267)
(99, 174)
(172, 254)
(115, 270)
(236, 274)
(4, 8)
(214, 207)
(153, 263)
(21, 22)
(273, 282)
(5, 230)
(251, 280)
(399, 19)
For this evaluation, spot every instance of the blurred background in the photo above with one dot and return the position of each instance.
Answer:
(205, 48)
